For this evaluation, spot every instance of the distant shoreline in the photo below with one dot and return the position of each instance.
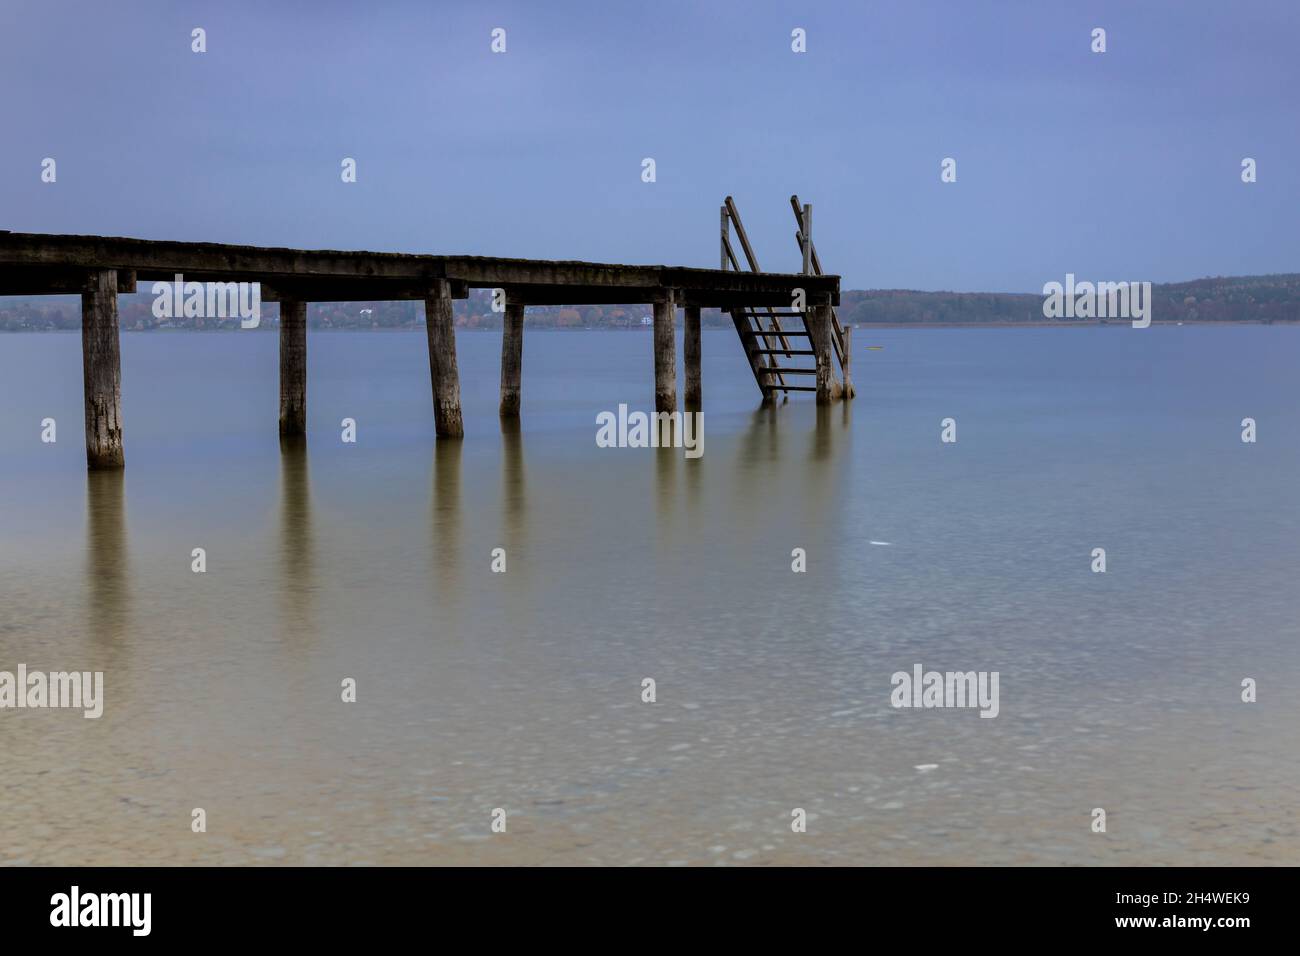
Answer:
(1231, 300)
(1072, 324)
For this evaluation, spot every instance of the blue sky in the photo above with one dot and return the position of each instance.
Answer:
(1123, 165)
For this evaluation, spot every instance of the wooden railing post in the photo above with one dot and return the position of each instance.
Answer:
(807, 238)
(726, 238)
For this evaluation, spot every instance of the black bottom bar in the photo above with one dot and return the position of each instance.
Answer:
(927, 906)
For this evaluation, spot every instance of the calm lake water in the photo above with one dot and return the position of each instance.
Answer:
(522, 690)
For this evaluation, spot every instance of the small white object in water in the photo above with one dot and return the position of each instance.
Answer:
(883, 544)
(923, 767)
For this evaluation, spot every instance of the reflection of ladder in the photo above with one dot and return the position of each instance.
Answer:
(764, 343)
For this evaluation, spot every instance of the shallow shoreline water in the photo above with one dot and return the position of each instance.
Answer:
(523, 690)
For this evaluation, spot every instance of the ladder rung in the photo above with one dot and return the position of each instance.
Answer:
(790, 388)
(774, 332)
(791, 371)
(783, 352)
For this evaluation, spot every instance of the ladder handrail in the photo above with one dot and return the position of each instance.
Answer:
(837, 338)
(730, 205)
(739, 317)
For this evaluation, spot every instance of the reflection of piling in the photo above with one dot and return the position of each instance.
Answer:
(665, 484)
(446, 480)
(445, 507)
(694, 468)
(106, 555)
(513, 498)
(822, 445)
(297, 562)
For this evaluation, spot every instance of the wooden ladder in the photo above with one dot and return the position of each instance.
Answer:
(765, 332)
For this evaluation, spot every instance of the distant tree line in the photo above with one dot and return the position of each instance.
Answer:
(1271, 298)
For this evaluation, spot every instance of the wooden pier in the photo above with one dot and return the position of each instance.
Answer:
(100, 268)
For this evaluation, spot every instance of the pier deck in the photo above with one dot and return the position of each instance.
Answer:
(101, 267)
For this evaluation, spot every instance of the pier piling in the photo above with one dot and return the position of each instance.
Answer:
(444, 374)
(691, 356)
(821, 321)
(512, 353)
(293, 368)
(665, 356)
(101, 365)
(847, 363)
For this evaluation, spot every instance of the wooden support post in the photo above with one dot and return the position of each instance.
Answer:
(443, 372)
(665, 356)
(821, 320)
(846, 365)
(512, 359)
(101, 367)
(293, 368)
(691, 356)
